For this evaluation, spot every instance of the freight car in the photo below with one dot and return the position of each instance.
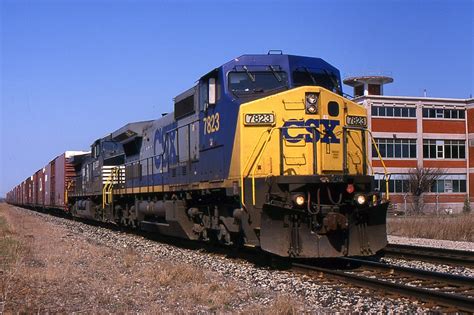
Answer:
(263, 151)
(48, 187)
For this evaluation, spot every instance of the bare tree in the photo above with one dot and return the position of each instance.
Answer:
(420, 180)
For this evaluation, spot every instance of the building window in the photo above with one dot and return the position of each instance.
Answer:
(442, 113)
(454, 149)
(359, 90)
(374, 89)
(391, 111)
(395, 148)
(398, 183)
(444, 149)
(455, 183)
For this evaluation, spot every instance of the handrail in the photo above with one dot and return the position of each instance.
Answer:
(246, 164)
(386, 173)
(140, 160)
(148, 172)
(264, 146)
(258, 160)
(66, 194)
(107, 190)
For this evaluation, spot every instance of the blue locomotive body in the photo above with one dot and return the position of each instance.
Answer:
(195, 142)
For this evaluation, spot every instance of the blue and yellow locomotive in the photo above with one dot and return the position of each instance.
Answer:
(263, 151)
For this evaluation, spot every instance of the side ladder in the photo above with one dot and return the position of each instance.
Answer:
(107, 190)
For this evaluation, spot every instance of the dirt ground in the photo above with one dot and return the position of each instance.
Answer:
(46, 268)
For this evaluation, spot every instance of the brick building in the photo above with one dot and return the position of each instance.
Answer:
(434, 133)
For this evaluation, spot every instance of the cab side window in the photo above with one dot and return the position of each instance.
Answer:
(208, 84)
(203, 94)
(96, 150)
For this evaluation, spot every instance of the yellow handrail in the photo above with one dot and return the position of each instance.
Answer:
(386, 173)
(246, 165)
(107, 190)
(258, 160)
(253, 169)
(66, 197)
(264, 146)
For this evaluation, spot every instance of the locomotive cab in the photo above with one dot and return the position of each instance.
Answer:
(303, 164)
(300, 155)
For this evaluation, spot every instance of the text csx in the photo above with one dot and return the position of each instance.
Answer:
(324, 133)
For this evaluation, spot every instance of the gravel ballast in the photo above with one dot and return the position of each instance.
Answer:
(424, 242)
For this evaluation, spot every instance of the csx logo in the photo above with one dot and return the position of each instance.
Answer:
(165, 146)
(326, 134)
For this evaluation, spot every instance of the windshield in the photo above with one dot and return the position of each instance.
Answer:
(109, 146)
(250, 82)
(318, 77)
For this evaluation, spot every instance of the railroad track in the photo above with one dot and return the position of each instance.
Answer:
(450, 292)
(437, 255)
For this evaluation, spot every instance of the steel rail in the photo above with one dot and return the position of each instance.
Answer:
(457, 301)
(416, 272)
(432, 254)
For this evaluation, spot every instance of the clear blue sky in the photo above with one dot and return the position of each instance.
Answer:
(73, 71)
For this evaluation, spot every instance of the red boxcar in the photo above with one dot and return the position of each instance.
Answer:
(16, 194)
(60, 173)
(29, 190)
(36, 187)
(49, 186)
(41, 187)
(23, 193)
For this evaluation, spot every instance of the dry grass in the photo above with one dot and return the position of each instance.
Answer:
(177, 275)
(281, 305)
(187, 285)
(130, 257)
(446, 227)
(57, 271)
(10, 257)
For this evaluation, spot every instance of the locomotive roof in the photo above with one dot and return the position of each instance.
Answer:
(127, 132)
(130, 130)
(291, 61)
(286, 61)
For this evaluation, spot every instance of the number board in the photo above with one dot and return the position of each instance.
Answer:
(260, 119)
(358, 121)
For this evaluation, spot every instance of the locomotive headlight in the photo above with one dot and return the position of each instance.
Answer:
(312, 103)
(361, 199)
(299, 200)
(312, 109)
(311, 98)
